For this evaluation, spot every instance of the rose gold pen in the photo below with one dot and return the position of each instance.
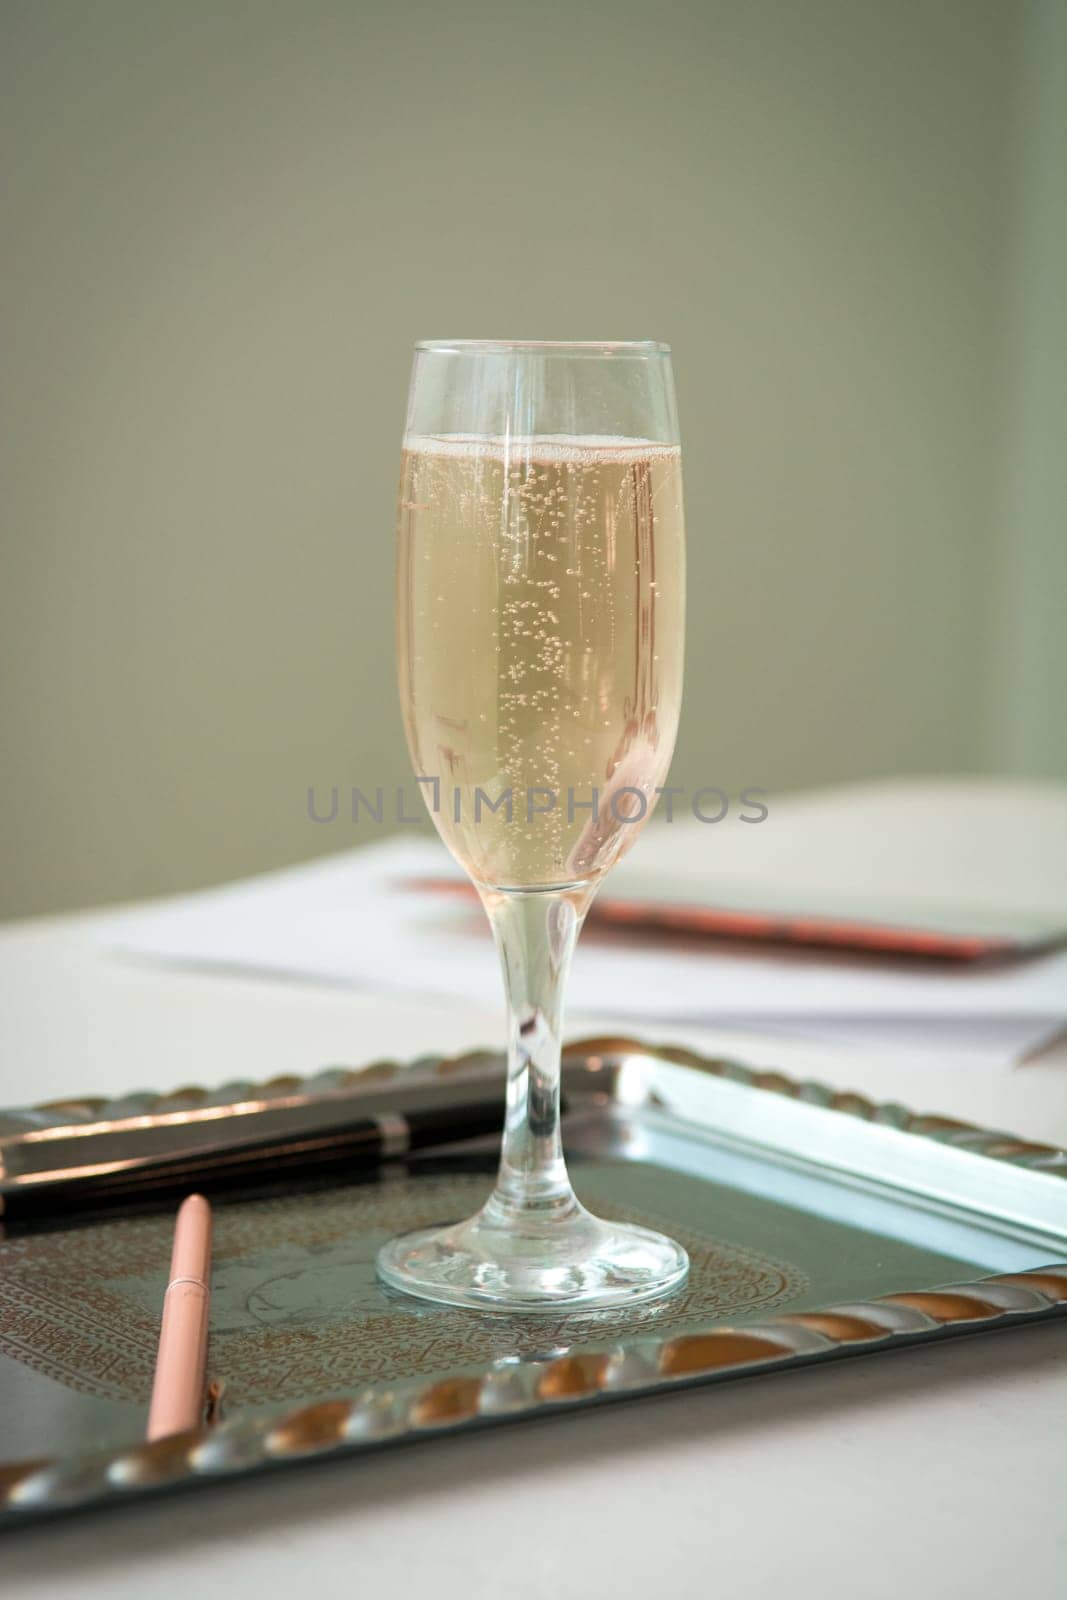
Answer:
(178, 1387)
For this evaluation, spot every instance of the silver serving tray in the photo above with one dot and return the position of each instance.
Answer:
(818, 1224)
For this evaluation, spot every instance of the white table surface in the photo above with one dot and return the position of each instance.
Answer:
(933, 1472)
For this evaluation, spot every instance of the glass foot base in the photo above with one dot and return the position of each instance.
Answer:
(574, 1264)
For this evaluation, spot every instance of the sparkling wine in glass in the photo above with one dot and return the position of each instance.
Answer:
(540, 633)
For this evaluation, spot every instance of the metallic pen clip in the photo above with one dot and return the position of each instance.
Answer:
(214, 1396)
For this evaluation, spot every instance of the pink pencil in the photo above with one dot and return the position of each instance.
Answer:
(178, 1388)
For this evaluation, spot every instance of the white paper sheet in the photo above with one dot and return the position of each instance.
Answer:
(348, 919)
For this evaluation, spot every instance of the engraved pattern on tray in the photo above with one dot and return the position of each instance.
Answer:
(296, 1309)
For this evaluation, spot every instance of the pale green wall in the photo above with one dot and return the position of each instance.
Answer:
(225, 224)
(1030, 587)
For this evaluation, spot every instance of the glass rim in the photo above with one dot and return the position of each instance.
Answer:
(574, 347)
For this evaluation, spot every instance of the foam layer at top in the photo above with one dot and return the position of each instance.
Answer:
(547, 448)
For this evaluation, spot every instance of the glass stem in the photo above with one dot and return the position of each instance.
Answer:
(535, 934)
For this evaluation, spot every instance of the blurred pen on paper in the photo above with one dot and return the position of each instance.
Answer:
(178, 1387)
(663, 909)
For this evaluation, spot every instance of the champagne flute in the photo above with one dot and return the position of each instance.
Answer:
(540, 632)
